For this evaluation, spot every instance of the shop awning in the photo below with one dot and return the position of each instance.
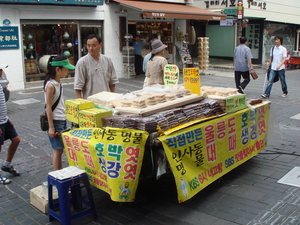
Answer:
(168, 10)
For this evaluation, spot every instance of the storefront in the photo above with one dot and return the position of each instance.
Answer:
(261, 22)
(43, 30)
(153, 20)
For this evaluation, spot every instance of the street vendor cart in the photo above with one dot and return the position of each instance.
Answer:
(198, 151)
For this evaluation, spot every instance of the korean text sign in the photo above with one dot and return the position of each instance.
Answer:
(191, 79)
(9, 37)
(202, 153)
(111, 157)
(171, 75)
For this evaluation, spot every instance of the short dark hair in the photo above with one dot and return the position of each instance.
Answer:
(91, 36)
(243, 40)
(280, 38)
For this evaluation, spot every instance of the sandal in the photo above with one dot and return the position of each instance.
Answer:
(4, 180)
(10, 170)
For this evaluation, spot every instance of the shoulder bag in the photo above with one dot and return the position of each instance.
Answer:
(44, 119)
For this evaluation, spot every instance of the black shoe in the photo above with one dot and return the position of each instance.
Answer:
(10, 170)
(241, 90)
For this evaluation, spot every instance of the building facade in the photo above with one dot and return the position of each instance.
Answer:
(41, 29)
(261, 22)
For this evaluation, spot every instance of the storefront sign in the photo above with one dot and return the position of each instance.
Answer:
(111, 157)
(171, 75)
(226, 23)
(9, 37)
(202, 153)
(6, 22)
(230, 12)
(240, 9)
(55, 2)
(233, 3)
(191, 79)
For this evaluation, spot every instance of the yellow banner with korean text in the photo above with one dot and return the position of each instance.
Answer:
(111, 157)
(200, 154)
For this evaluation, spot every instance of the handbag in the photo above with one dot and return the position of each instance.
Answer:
(253, 74)
(43, 117)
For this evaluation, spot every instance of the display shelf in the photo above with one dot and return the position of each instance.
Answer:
(67, 43)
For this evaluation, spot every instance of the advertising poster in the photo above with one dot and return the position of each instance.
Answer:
(200, 154)
(111, 157)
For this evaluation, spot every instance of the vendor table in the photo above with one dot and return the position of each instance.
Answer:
(198, 154)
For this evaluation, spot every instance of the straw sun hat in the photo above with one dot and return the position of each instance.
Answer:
(157, 46)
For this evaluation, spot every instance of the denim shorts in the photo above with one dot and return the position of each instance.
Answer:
(8, 132)
(56, 142)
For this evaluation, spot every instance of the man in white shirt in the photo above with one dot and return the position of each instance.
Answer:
(94, 72)
(278, 56)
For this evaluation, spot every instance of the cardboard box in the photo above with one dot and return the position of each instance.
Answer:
(39, 198)
(90, 118)
(73, 106)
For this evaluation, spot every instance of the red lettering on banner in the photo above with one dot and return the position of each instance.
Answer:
(72, 154)
(231, 125)
(221, 128)
(232, 143)
(211, 152)
(102, 184)
(209, 134)
(203, 177)
(75, 142)
(89, 160)
(84, 145)
(215, 170)
(131, 170)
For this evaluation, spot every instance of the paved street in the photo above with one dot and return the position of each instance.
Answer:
(249, 194)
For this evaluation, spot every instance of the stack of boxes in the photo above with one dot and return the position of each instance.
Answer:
(203, 53)
(84, 113)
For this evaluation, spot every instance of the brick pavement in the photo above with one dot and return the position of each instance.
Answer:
(249, 194)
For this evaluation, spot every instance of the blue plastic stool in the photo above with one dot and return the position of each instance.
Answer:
(65, 199)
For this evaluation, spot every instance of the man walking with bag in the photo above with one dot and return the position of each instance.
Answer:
(242, 64)
(278, 56)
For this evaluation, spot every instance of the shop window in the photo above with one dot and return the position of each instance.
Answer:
(42, 40)
(277, 29)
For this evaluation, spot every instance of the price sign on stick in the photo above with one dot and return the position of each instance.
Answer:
(171, 75)
(191, 79)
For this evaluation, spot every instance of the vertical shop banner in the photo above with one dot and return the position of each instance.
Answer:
(171, 75)
(9, 37)
(191, 78)
(111, 157)
(200, 154)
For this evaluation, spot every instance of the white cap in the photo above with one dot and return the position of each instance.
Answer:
(3, 66)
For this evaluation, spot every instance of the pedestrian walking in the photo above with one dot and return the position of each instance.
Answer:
(138, 63)
(94, 72)
(242, 65)
(276, 65)
(7, 131)
(55, 105)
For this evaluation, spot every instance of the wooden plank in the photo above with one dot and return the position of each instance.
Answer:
(162, 106)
